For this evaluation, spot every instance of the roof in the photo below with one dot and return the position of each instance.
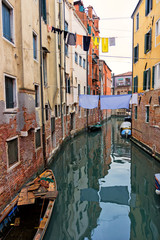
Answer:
(136, 8)
(124, 74)
(101, 60)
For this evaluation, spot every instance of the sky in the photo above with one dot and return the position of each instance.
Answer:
(115, 21)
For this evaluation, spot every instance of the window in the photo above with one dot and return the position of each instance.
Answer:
(148, 7)
(135, 87)
(137, 21)
(38, 138)
(147, 114)
(146, 79)
(68, 85)
(47, 112)
(76, 57)
(59, 110)
(52, 125)
(67, 110)
(158, 28)
(127, 81)
(66, 49)
(45, 68)
(10, 91)
(66, 45)
(79, 111)
(80, 61)
(43, 10)
(37, 96)
(136, 53)
(84, 63)
(156, 76)
(12, 146)
(135, 111)
(7, 20)
(35, 56)
(79, 89)
(84, 90)
(147, 41)
(56, 111)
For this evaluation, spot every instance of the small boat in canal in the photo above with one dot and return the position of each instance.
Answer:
(95, 127)
(125, 129)
(28, 214)
(157, 183)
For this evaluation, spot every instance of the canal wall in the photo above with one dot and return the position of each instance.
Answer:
(146, 122)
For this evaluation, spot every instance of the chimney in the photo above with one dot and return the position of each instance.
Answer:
(90, 11)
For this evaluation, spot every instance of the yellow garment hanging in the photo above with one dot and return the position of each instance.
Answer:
(95, 41)
(104, 44)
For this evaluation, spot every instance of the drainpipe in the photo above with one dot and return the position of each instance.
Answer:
(60, 68)
(65, 69)
(41, 80)
(87, 81)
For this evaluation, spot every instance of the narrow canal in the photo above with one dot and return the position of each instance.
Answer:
(106, 189)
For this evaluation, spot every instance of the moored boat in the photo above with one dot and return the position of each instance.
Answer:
(157, 183)
(29, 213)
(95, 127)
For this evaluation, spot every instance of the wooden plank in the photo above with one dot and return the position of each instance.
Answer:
(33, 187)
(51, 195)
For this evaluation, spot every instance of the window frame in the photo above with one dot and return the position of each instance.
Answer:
(45, 81)
(135, 112)
(12, 29)
(148, 6)
(80, 61)
(39, 146)
(84, 63)
(136, 53)
(76, 57)
(15, 96)
(147, 79)
(147, 113)
(37, 93)
(9, 168)
(35, 50)
(137, 21)
(148, 41)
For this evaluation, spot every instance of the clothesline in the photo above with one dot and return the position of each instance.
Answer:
(108, 101)
(74, 39)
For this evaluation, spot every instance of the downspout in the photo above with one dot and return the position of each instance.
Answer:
(60, 68)
(87, 82)
(132, 70)
(65, 68)
(41, 80)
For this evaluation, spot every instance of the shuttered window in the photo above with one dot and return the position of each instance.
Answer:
(148, 6)
(10, 91)
(43, 10)
(148, 41)
(136, 53)
(146, 79)
(7, 19)
(135, 87)
(38, 138)
(12, 151)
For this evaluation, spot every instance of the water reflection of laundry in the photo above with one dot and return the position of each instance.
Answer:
(114, 194)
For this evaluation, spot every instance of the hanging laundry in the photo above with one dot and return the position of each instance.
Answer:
(49, 28)
(115, 101)
(56, 30)
(88, 101)
(112, 41)
(71, 39)
(86, 42)
(79, 40)
(65, 34)
(104, 44)
(95, 41)
(134, 99)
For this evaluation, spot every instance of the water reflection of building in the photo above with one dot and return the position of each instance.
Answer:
(145, 205)
(120, 146)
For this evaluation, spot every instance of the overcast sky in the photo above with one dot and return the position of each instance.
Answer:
(115, 21)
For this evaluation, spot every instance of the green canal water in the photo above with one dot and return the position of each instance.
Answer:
(106, 189)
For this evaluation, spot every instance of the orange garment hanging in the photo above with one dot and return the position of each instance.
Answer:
(79, 40)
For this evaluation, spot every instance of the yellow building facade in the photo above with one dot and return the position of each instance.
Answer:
(146, 76)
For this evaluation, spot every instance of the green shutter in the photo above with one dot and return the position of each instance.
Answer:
(136, 84)
(145, 43)
(150, 39)
(144, 80)
(134, 87)
(153, 76)
(149, 83)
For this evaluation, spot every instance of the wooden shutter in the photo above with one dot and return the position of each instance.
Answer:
(153, 76)
(145, 43)
(144, 80)
(149, 83)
